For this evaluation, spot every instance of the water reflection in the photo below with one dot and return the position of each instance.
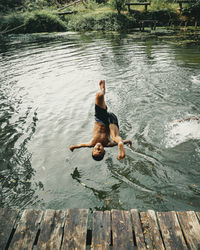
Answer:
(17, 126)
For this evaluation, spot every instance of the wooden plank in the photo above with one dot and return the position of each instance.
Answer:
(147, 230)
(101, 230)
(151, 231)
(138, 230)
(26, 230)
(122, 230)
(51, 230)
(171, 231)
(7, 220)
(191, 228)
(75, 229)
(198, 215)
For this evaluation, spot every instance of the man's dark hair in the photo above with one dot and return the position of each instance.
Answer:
(98, 157)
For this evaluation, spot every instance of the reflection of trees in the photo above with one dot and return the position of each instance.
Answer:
(17, 187)
(187, 53)
(122, 52)
(116, 55)
(148, 49)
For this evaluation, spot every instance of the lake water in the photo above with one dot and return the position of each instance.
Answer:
(47, 92)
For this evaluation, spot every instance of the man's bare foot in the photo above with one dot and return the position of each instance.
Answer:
(121, 153)
(102, 85)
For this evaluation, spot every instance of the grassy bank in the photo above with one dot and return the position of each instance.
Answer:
(49, 21)
(89, 16)
(31, 22)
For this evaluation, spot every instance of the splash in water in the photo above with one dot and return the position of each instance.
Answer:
(179, 132)
(195, 79)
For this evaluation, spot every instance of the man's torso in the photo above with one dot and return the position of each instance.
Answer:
(101, 134)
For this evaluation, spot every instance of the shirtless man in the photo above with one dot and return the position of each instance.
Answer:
(106, 126)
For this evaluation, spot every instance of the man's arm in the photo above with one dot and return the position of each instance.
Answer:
(112, 144)
(118, 141)
(127, 142)
(82, 145)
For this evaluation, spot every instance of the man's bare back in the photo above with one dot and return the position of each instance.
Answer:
(106, 129)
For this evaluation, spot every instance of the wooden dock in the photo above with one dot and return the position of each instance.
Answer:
(115, 229)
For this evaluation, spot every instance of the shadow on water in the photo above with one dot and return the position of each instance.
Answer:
(109, 196)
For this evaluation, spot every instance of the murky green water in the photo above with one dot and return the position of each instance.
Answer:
(47, 91)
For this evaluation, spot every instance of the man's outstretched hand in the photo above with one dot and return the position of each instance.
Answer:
(129, 142)
(71, 148)
(121, 151)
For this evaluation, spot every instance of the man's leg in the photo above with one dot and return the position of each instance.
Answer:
(114, 132)
(100, 95)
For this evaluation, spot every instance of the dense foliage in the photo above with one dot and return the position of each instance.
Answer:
(9, 4)
(41, 21)
(37, 21)
(193, 11)
(118, 5)
(102, 21)
(21, 16)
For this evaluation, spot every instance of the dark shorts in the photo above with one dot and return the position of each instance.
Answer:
(104, 117)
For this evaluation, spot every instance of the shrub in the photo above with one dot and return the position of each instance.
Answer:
(117, 4)
(91, 4)
(31, 5)
(193, 10)
(9, 4)
(161, 5)
(11, 22)
(43, 21)
(165, 16)
(31, 22)
(102, 21)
